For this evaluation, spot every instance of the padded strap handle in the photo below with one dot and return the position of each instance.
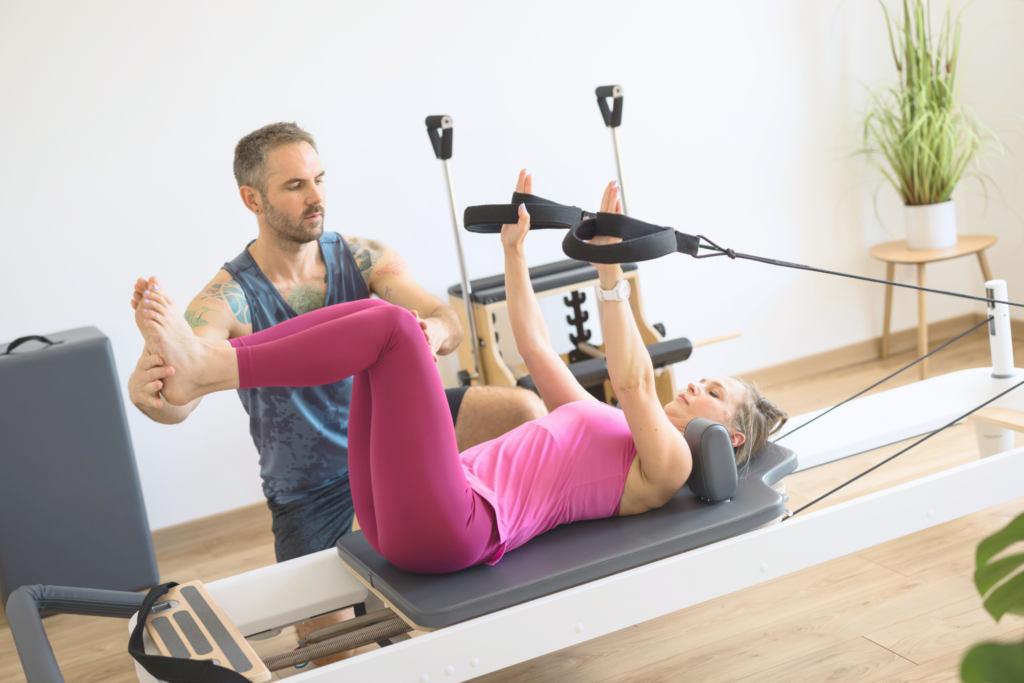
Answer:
(442, 141)
(21, 340)
(612, 116)
(544, 214)
(171, 669)
(640, 241)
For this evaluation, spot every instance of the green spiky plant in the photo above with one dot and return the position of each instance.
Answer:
(925, 137)
(1001, 583)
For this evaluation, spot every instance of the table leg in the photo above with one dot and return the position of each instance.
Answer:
(922, 321)
(890, 275)
(985, 270)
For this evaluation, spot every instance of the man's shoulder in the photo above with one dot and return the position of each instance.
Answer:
(240, 263)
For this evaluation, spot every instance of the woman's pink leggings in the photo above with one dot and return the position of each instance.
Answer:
(409, 489)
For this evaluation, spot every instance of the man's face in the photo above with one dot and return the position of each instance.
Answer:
(294, 200)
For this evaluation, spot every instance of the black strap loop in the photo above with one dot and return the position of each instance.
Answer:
(544, 214)
(640, 241)
(171, 669)
(21, 340)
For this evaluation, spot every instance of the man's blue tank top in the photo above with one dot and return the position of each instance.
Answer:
(301, 433)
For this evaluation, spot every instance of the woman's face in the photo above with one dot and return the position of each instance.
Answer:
(715, 398)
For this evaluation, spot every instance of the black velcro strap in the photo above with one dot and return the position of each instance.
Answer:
(640, 241)
(544, 214)
(171, 669)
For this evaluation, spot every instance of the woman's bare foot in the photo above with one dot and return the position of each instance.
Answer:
(200, 367)
(141, 286)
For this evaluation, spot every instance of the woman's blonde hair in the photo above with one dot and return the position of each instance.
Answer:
(757, 418)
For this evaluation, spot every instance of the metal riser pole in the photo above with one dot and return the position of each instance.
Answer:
(474, 342)
(618, 163)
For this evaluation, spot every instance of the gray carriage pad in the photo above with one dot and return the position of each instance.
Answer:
(573, 554)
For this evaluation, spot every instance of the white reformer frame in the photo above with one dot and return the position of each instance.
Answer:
(319, 583)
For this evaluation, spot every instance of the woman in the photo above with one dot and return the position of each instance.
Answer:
(421, 504)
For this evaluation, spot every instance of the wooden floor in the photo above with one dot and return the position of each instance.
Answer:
(903, 611)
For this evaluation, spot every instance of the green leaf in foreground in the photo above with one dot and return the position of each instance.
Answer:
(994, 663)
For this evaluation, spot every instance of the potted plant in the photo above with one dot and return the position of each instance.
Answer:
(917, 132)
(1001, 583)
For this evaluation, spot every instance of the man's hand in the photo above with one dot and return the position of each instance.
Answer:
(146, 382)
(434, 331)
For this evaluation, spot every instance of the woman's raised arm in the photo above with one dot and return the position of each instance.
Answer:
(554, 381)
(665, 460)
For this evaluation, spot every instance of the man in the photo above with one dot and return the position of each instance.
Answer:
(294, 267)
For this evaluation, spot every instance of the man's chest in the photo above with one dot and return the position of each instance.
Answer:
(305, 296)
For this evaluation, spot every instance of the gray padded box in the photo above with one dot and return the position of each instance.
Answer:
(71, 508)
(576, 553)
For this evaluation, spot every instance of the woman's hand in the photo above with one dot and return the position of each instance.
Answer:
(512, 236)
(610, 203)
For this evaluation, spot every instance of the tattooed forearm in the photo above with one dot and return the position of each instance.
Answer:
(230, 297)
(195, 318)
(306, 298)
(366, 253)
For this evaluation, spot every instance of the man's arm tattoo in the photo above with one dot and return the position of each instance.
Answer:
(366, 253)
(229, 296)
(306, 298)
(394, 266)
(195, 318)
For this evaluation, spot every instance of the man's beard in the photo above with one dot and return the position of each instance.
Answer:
(295, 231)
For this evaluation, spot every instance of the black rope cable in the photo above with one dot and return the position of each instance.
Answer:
(905, 367)
(893, 457)
(786, 264)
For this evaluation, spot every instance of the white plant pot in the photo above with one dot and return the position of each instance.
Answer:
(931, 226)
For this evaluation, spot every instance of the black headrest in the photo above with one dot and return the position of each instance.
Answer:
(714, 477)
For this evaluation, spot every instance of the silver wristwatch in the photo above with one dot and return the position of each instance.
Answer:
(620, 293)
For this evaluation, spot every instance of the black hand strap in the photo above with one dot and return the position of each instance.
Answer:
(640, 241)
(544, 214)
(21, 340)
(171, 669)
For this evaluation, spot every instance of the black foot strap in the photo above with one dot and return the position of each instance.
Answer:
(171, 669)
(544, 214)
(640, 241)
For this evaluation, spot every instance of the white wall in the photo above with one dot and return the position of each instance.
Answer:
(119, 121)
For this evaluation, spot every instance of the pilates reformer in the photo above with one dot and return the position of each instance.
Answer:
(531, 604)
(584, 580)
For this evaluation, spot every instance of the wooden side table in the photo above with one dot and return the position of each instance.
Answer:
(897, 252)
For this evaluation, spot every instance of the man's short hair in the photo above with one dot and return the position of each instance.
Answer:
(252, 150)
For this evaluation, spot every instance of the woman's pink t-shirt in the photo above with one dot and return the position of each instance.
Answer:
(566, 466)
